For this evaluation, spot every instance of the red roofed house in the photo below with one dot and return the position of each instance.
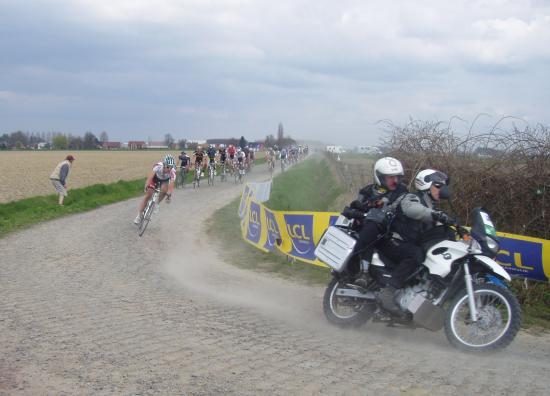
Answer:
(110, 145)
(136, 145)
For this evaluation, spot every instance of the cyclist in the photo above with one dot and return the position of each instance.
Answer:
(231, 151)
(185, 160)
(185, 163)
(252, 157)
(164, 174)
(222, 152)
(241, 158)
(283, 155)
(211, 153)
(270, 157)
(199, 157)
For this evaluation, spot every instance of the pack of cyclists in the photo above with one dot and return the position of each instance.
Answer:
(163, 174)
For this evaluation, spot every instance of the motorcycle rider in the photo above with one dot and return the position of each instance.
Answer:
(375, 199)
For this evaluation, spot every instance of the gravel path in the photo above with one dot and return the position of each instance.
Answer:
(88, 307)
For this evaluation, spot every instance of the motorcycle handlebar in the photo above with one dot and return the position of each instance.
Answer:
(351, 213)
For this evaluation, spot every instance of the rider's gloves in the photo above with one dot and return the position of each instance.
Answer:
(442, 217)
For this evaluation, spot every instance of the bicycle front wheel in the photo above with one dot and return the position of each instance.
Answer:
(147, 213)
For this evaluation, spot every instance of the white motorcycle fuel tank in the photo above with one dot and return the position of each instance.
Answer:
(440, 256)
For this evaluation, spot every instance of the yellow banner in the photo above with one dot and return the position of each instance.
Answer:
(296, 234)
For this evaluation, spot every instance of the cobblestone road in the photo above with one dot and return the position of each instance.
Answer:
(88, 307)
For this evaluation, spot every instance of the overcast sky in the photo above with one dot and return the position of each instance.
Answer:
(328, 70)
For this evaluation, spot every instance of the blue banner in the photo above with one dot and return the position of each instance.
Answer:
(273, 232)
(522, 257)
(254, 223)
(300, 230)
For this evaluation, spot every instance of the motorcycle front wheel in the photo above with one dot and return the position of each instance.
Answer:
(345, 311)
(498, 322)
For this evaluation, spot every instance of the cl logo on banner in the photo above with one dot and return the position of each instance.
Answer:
(521, 258)
(273, 232)
(300, 230)
(254, 224)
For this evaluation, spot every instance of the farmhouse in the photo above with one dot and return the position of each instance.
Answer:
(110, 145)
(335, 149)
(136, 144)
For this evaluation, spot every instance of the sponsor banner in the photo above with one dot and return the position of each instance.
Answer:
(524, 257)
(299, 228)
(254, 231)
(274, 236)
(296, 234)
(247, 193)
(261, 190)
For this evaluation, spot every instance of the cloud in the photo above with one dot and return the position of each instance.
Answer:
(240, 67)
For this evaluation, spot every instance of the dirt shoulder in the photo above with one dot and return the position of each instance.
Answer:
(88, 307)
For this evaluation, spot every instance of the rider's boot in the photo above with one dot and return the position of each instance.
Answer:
(362, 278)
(386, 297)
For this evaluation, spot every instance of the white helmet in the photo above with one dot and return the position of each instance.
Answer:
(387, 166)
(425, 178)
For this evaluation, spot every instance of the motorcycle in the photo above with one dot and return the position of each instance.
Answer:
(459, 286)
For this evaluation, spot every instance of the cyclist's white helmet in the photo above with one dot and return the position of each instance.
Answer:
(387, 166)
(169, 161)
(425, 178)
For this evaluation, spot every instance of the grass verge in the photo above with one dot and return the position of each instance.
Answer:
(305, 186)
(26, 212)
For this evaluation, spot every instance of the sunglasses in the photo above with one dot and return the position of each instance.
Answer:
(437, 185)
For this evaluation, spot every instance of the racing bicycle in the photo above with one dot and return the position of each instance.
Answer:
(239, 175)
(271, 166)
(223, 172)
(197, 176)
(149, 209)
(181, 177)
(211, 173)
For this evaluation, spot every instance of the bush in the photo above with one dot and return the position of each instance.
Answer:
(506, 172)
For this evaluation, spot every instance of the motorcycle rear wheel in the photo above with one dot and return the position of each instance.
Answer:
(345, 311)
(499, 319)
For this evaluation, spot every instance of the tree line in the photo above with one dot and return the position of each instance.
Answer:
(52, 140)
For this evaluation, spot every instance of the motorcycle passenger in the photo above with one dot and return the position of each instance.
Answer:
(415, 223)
(375, 199)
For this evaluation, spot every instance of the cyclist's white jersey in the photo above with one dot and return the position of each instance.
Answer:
(241, 154)
(158, 169)
(283, 153)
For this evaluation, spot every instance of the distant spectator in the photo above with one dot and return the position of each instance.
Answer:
(59, 177)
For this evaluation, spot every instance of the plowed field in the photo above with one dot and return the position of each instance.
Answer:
(26, 173)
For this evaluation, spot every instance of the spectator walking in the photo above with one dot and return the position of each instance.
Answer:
(59, 177)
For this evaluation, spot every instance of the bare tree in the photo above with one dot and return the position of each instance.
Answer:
(103, 137)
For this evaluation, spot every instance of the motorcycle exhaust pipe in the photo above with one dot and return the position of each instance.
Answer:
(355, 294)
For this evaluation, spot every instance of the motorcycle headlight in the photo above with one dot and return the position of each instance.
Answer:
(493, 245)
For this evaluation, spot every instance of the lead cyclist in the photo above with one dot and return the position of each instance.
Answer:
(163, 174)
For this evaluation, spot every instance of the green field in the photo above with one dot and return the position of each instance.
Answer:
(305, 186)
(26, 212)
